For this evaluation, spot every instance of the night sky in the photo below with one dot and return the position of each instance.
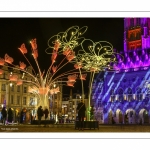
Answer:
(15, 31)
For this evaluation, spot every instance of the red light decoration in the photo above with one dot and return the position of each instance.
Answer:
(92, 69)
(51, 91)
(13, 77)
(56, 90)
(8, 59)
(2, 61)
(1, 71)
(56, 46)
(77, 66)
(43, 90)
(19, 82)
(67, 51)
(43, 73)
(23, 49)
(33, 44)
(35, 53)
(70, 83)
(54, 68)
(83, 76)
(54, 56)
(72, 78)
(136, 43)
(71, 56)
(22, 65)
(34, 48)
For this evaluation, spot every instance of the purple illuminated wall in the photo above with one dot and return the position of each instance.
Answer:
(121, 94)
(134, 59)
(136, 44)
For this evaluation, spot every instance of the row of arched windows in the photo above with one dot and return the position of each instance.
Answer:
(128, 95)
(128, 91)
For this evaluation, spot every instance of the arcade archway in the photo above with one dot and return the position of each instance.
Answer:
(130, 116)
(110, 114)
(143, 116)
(119, 116)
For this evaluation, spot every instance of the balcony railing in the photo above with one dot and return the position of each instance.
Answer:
(128, 97)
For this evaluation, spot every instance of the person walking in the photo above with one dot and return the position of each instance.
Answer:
(46, 112)
(18, 118)
(10, 115)
(81, 114)
(4, 115)
(21, 116)
(40, 114)
(31, 117)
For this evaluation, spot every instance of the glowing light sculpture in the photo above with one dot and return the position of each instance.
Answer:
(95, 57)
(8, 59)
(66, 43)
(42, 83)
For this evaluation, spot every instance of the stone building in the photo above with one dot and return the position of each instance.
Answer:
(16, 96)
(122, 95)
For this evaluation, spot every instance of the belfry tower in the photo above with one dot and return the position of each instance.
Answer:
(136, 33)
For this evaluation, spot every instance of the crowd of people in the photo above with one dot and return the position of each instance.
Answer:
(27, 117)
(41, 113)
(8, 116)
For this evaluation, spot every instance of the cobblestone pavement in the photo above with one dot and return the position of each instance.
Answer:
(71, 128)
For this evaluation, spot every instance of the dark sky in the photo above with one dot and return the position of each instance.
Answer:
(15, 31)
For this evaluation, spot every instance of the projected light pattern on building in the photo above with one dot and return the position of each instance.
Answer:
(125, 95)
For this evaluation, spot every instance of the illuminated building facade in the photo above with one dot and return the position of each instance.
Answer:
(122, 95)
(18, 98)
(69, 105)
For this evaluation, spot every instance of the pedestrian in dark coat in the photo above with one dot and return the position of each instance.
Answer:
(4, 115)
(18, 117)
(10, 115)
(81, 114)
(46, 112)
(40, 114)
(21, 116)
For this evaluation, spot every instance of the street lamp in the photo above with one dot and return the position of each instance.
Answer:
(10, 84)
(54, 85)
